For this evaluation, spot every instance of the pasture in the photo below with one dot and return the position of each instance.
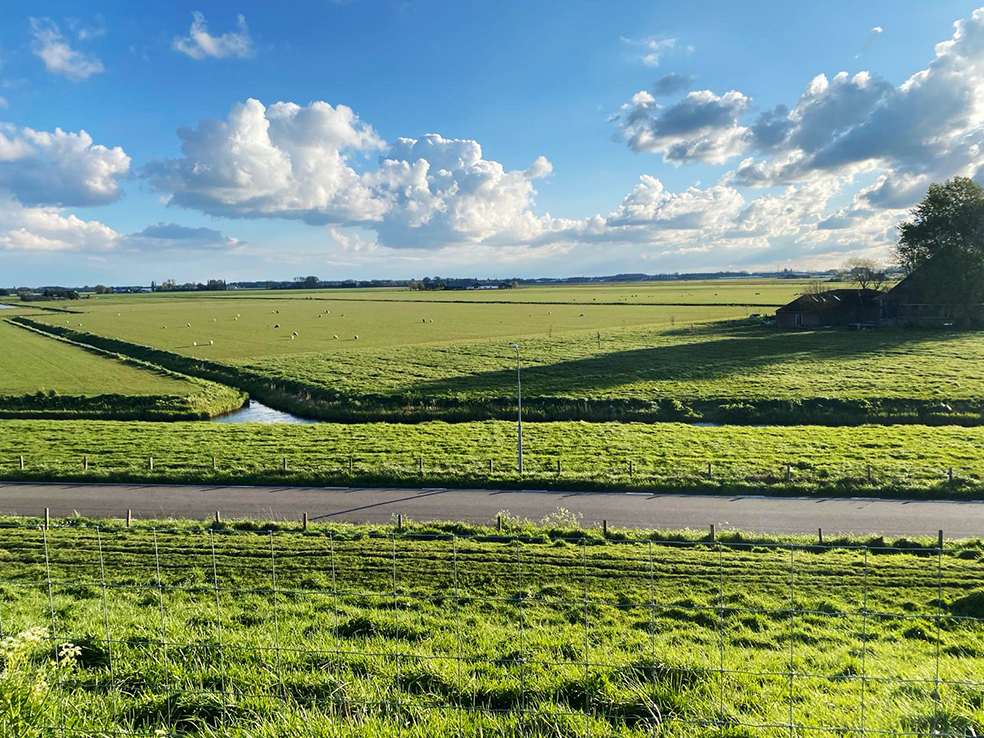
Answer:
(245, 329)
(902, 460)
(31, 363)
(348, 631)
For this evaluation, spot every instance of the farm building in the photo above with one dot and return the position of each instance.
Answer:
(833, 307)
(905, 304)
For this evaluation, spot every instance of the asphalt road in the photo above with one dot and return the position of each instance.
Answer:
(635, 510)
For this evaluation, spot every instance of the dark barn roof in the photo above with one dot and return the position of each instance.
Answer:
(834, 300)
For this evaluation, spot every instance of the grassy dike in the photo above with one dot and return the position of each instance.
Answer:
(906, 461)
(251, 631)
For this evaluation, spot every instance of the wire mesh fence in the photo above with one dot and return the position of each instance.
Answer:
(153, 631)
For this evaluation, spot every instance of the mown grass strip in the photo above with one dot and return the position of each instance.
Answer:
(893, 461)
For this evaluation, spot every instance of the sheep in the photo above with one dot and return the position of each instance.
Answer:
(189, 325)
(291, 338)
(327, 312)
(194, 343)
(80, 325)
(294, 333)
(582, 315)
(356, 337)
(431, 320)
(165, 327)
(277, 325)
(335, 337)
(211, 343)
(236, 318)
(213, 320)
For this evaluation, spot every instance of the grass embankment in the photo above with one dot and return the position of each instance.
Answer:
(739, 374)
(907, 461)
(46, 376)
(336, 632)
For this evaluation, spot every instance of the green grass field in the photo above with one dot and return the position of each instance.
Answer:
(45, 376)
(590, 352)
(245, 329)
(31, 363)
(338, 632)
(905, 460)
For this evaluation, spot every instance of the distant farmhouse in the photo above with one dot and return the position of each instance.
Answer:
(905, 304)
(833, 307)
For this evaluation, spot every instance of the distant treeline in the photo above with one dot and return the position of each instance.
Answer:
(432, 283)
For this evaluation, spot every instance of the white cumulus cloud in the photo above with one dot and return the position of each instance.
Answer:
(294, 162)
(199, 43)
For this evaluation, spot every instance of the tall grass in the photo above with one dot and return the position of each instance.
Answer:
(340, 631)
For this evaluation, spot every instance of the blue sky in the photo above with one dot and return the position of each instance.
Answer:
(397, 139)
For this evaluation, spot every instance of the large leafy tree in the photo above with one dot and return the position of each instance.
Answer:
(943, 244)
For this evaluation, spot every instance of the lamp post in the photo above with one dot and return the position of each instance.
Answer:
(519, 410)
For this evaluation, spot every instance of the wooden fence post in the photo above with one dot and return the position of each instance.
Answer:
(713, 535)
(285, 463)
(304, 521)
(490, 467)
(399, 522)
(85, 463)
(709, 474)
(420, 465)
(559, 467)
(150, 462)
(47, 517)
(789, 472)
(604, 528)
(820, 535)
(939, 540)
(630, 468)
(218, 517)
(949, 475)
(351, 464)
(869, 474)
(22, 463)
(129, 517)
(213, 464)
(498, 524)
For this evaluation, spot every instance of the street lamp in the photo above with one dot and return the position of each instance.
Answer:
(519, 409)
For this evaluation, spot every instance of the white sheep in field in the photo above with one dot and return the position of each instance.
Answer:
(327, 312)
(277, 325)
(291, 338)
(356, 337)
(236, 318)
(80, 325)
(294, 333)
(334, 338)
(165, 327)
(211, 343)
(582, 315)
(189, 325)
(194, 343)
(431, 320)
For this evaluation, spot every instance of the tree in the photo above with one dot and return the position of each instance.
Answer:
(944, 243)
(100, 289)
(866, 273)
(815, 287)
